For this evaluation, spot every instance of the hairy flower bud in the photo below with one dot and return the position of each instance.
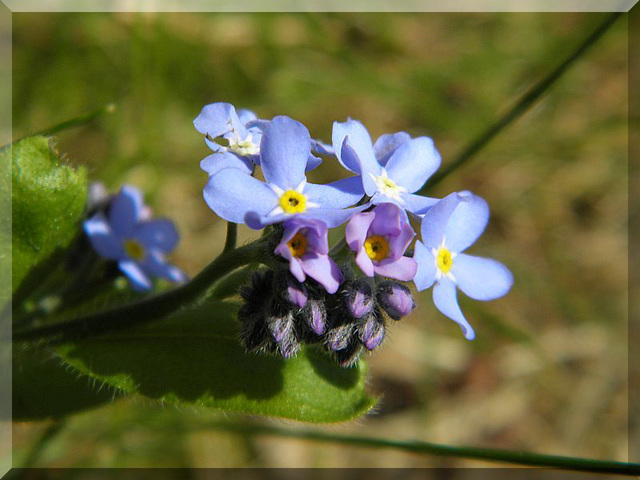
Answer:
(339, 337)
(359, 298)
(349, 355)
(395, 299)
(371, 331)
(315, 316)
(295, 293)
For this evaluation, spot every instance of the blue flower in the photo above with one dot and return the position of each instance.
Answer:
(236, 196)
(127, 236)
(235, 138)
(392, 169)
(448, 228)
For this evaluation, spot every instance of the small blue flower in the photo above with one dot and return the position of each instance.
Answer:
(392, 169)
(236, 196)
(448, 228)
(127, 236)
(235, 138)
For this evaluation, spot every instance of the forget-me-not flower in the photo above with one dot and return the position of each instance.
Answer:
(236, 196)
(235, 138)
(392, 169)
(305, 245)
(448, 228)
(380, 238)
(129, 237)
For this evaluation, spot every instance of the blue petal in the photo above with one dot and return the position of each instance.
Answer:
(332, 217)
(417, 204)
(246, 116)
(368, 168)
(360, 142)
(284, 152)
(444, 298)
(125, 210)
(216, 119)
(156, 265)
(231, 193)
(413, 163)
(135, 274)
(434, 222)
(313, 162)
(481, 278)
(387, 144)
(160, 234)
(321, 148)
(217, 161)
(467, 222)
(102, 238)
(426, 274)
(339, 194)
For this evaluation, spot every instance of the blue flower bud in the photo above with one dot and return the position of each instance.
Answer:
(338, 338)
(371, 331)
(280, 326)
(295, 293)
(359, 298)
(395, 299)
(315, 316)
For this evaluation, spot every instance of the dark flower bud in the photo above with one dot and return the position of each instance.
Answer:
(280, 326)
(359, 298)
(339, 337)
(371, 331)
(295, 293)
(314, 315)
(395, 299)
(349, 356)
(253, 331)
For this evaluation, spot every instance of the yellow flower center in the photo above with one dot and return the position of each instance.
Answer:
(376, 247)
(134, 250)
(293, 202)
(444, 260)
(298, 245)
(389, 184)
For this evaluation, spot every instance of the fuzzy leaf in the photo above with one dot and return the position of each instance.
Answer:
(48, 201)
(45, 387)
(195, 358)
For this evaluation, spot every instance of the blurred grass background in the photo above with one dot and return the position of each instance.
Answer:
(548, 371)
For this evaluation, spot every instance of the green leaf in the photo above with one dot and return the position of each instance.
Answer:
(195, 358)
(48, 202)
(45, 387)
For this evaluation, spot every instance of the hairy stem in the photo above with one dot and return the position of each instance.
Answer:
(232, 237)
(150, 308)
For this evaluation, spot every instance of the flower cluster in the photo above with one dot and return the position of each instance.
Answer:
(311, 294)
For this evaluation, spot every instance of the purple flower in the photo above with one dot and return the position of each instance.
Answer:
(379, 238)
(129, 237)
(448, 228)
(235, 138)
(392, 169)
(305, 245)
(238, 197)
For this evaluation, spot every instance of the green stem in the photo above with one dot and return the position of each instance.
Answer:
(485, 454)
(78, 121)
(150, 308)
(232, 237)
(527, 100)
(229, 285)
